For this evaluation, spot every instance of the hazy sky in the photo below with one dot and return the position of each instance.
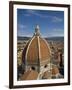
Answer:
(51, 22)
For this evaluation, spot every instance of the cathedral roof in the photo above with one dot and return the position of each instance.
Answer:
(46, 75)
(29, 75)
(37, 49)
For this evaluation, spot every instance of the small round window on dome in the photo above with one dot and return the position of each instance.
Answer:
(45, 66)
(33, 68)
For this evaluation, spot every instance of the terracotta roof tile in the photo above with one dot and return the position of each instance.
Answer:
(44, 50)
(55, 70)
(32, 55)
(46, 75)
(29, 75)
(36, 50)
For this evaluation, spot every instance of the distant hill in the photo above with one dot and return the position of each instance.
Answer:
(23, 38)
(47, 38)
(55, 38)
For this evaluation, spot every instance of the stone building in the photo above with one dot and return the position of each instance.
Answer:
(36, 55)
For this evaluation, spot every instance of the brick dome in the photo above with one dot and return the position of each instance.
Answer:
(36, 50)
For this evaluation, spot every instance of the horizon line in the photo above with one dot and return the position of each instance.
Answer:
(42, 36)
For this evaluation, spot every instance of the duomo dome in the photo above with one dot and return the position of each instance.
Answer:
(36, 51)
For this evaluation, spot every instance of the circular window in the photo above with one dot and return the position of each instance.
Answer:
(45, 66)
(33, 68)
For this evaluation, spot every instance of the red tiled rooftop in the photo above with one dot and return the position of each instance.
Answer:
(29, 75)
